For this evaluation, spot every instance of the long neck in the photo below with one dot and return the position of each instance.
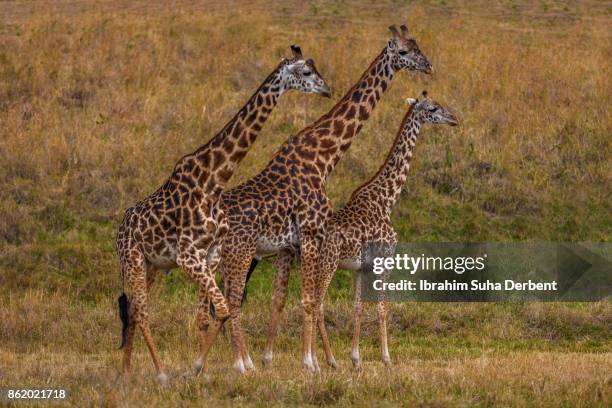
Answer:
(217, 159)
(329, 137)
(386, 185)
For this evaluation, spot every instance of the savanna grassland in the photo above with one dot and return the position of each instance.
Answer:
(98, 101)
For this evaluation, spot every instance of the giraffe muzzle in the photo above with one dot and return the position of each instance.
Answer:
(325, 91)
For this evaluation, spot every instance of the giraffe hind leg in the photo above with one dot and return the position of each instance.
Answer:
(136, 278)
(128, 347)
(124, 315)
(279, 298)
(252, 267)
(127, 332)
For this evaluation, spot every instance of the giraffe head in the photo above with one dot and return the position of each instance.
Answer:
(302, 75)
(405, 53)
(427, 111)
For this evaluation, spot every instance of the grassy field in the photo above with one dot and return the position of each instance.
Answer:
(98, 101)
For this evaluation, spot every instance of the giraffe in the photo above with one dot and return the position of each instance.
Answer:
(181, 224)
(365, 218)
(285, 206)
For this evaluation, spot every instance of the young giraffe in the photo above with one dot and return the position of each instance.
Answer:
(285, 206)
(365, 218)
(181, 223)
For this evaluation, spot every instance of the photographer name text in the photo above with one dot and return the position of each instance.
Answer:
(474, 285)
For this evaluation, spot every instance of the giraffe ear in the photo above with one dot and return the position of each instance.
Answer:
(411, 101)
(296, 51)
(394, 31)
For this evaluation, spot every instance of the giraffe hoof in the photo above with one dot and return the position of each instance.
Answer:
(356, 360)
(356, 363)
(316, 366)
(332, 363)
(308, 363)
(388, 363)
(239, 366)
(248, 364)
(162, 378)
(198, 367)
(267, 359)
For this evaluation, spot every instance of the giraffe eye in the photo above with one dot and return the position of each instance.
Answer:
(433, 109)
(307, 73)
(402, 52)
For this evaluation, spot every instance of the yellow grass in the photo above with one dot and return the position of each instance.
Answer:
(462, 355)
(102, 100)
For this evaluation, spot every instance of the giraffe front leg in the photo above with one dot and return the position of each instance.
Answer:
(357, 326)
(279, 298)
(330, 257)
(309, 253)
(313, 341)
(204, 304)
(194, 262)
(237, 255)
(382, 328)
(203, 322)
(382, 312)
(221, 315)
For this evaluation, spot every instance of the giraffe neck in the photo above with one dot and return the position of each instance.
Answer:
(329, 137)
(211, 166)
(386, 185)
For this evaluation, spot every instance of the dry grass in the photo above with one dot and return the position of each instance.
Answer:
(97, 102)
(97, 105)
(445, 355)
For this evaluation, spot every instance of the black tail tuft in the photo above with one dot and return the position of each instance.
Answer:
(254, 263)
(124, 315)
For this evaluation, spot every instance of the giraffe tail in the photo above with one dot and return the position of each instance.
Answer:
(254, 263)
(124, 305)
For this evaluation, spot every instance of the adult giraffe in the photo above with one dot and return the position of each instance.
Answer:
(366, 218)
(181, 223)
(285, 206)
